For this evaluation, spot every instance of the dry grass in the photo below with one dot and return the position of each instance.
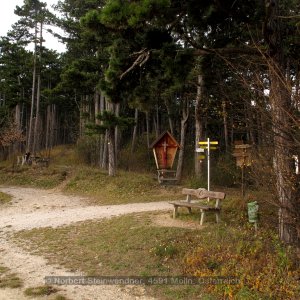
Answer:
(127, 245)
(118, 246)
(68, 174)
(4, 198)
(133, 245)
(125, 187)
(8, 279)
(44, 290)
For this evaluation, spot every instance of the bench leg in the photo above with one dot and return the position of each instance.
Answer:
(218, 217)
(175, 211)
(202, 217)
(190, 209)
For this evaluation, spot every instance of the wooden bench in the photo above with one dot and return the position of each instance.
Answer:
(204, 207)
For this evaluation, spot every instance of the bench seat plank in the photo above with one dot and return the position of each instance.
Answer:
(194, 205)
(200, 194)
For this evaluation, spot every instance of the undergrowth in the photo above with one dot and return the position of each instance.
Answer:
(129, 245)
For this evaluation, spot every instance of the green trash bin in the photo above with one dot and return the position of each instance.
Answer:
(253, 212)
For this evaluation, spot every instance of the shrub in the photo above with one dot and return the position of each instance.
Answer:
(261, 263)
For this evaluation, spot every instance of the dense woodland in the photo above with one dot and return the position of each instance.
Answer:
(228, 70)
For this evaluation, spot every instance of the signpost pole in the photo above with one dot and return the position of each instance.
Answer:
(206, 145)
(208, 165)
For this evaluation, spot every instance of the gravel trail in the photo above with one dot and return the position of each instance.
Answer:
(34, 208)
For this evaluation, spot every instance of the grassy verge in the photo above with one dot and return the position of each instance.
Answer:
(8, 279)
(32, 176)
(125, 187)
(117, 246)
(44, 290)
(4, 198)
(62, 160)
(132, 245)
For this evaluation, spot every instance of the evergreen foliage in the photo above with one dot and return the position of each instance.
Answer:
(228, 70)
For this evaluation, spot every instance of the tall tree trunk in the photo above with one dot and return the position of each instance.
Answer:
(169, 117)
(97, 121)
(157, 127)
(136, 116)
(225, 124)
(105, 151)
(81, 120)
(116, 109)
(102, 144)
(111, 152)
(198, 125)
(96, 106)
(48, 120)
(287, 185)
(29, 138)
(16, 147)
(18, 116)
(148, 130)
(185, 116)
(36, 139)
(53, 127)
(111, 141)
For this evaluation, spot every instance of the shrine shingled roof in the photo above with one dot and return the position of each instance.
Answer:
(166, 133)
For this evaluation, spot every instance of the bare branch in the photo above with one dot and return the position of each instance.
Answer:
(143, 57)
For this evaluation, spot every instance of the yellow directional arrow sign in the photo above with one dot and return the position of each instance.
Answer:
(207, 145)
(211, 143)
(211, 148)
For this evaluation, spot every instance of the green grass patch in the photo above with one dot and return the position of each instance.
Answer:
(126, 245)
(125, 187)
(32, 176)
(62, 161)
(5, 198)
(132, 245)
(66, 170)
(8, 279)
(44, 290)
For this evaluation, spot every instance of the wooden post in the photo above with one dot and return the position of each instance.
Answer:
(202, 217)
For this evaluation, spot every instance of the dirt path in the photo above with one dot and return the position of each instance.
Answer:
(33, 208)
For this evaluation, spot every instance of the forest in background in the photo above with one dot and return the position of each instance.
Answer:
(228, 71)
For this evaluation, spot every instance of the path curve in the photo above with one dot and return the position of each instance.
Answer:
(34, 208)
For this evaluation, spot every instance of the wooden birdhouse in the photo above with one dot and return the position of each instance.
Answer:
(164, 150)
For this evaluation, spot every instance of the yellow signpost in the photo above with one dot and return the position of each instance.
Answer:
(206, 145)
(211, 143)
